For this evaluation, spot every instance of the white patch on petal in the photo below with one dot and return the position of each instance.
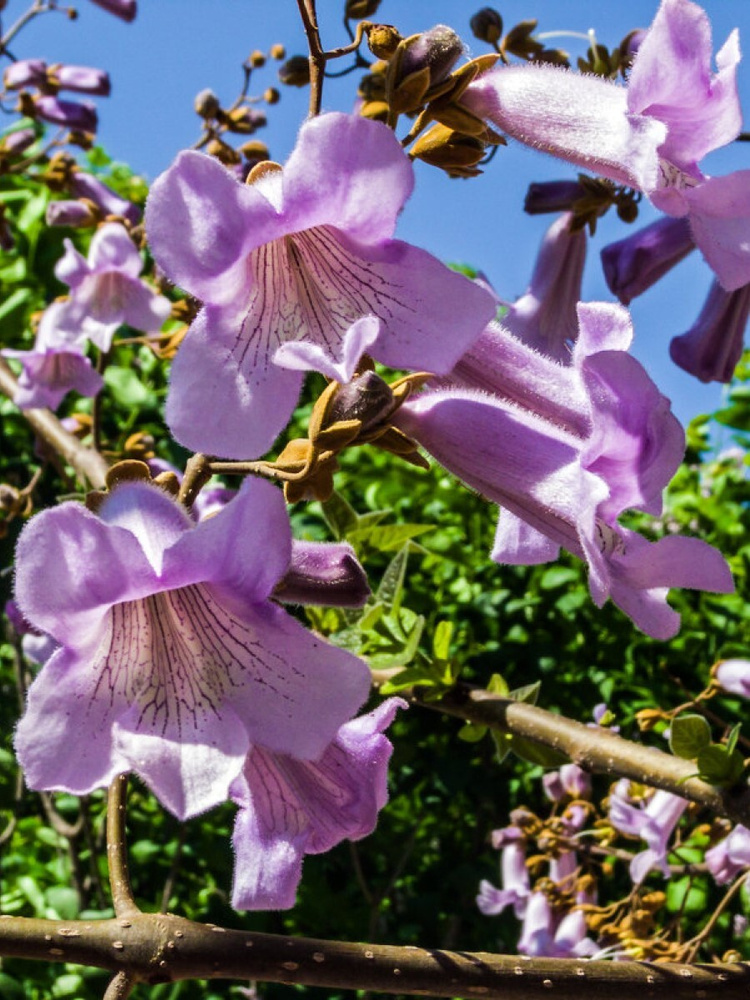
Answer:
(178, 655)
(671, 176)
(609, 540)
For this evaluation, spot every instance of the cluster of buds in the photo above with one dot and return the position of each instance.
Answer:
(242, 118)
(587, 199)
(92, 201)
(415, 76)
(487, 26)
(345, 416)
(79, 117)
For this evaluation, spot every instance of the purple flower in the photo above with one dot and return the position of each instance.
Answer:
(174, 661)
(544, 934)
(55, 366)
(81, 79)
(565, 450)
(326, 574)
(570, 780)
(712, 347)
(124, 9)
(650, 135)
(25, 73)
(636, 263)
(552, 196)
(298, 271)
(514, 873)
(106, 290)
(730, 856)
(291, 807)
(83, 185)
(544, 317)
(653, 822)
(78, 116)
(78, 214)
(19, 141)
(734, 676)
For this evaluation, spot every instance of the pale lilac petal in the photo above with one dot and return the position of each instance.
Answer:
(720, 223)
(734, 676)
(644, 861)
(671, 80)
(581, 119)
(712, 347)
(518, 544)
(50, 374)
(150, 515)
(350, 172)
(537, 937)
(294, 807)
(304, 355)
(491, 901)
(201, 224)
(72, 267)
(38, 648)
(112, 249)
(243, 407)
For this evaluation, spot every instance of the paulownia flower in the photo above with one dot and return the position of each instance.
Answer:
(291, 807)
(730, 856)
(653, 822)
(712, 347)
(515, 875)
(53, 367)
(650, 135)
(106, 290)
(297, 271)
(564, 451)
(174, 661)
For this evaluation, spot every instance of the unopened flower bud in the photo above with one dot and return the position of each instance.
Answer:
(69, 114)
(295, 72)
(356, 10)
(25, 73)
(437, 49)
(487, 25)
(244, 120)
(277, 51)
(442, 147)
(124, 9)
(552, 196)
(255, 151)
(256, 59)
(206, 104)
(367, 398)
(82, 214)
(383, 40)
(83, 185)
(271, 95)
(15, 143)
(9, 496)
(223, 152)
(81, 79)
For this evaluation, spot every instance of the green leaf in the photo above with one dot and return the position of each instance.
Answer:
(472, 733)
(528, 693)
(498, 685)
(14, 301)
(503, 744)
(686, 896)
(535, 753)
(32, 212)
(689, 734)
(734, 735)
(392, 583)
(441, 640)
(557, 576)
(127, 388)
(339, 515)
(63, 900)
(10, 988)
(718, 767)
(386, 538)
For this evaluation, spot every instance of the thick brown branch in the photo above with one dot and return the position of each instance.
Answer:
(157, 948)
(594, 748)
(88, 464)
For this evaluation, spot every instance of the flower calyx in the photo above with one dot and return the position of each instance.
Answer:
(130, 470)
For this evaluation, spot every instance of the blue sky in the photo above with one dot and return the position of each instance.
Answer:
(175, 48)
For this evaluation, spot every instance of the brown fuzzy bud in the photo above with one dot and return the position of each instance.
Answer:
(372, 87)
(383, 40)
(223, 152)
(206, 104)
(487, 25)
(376, 111)
(277, 52)
(256, 59)
(356, 10)
(271, 95)
(255, 151)
(295, 72)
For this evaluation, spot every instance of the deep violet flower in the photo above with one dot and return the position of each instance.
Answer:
(653, 822)
(712, 347)
(106, 290)
(565, 450)
(649, 135)
(174, 661)
(634, 264)
(298, 271)
(124, 9)
(53, 367)
(291, 807)
(78, 116)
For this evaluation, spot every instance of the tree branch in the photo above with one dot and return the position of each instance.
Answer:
(117, 851)
(156, 948)
(593, 748)
(88, 464)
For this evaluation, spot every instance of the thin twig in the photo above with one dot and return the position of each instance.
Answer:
(117, 854)
(197, 473)
(694, 944)
(317, 56)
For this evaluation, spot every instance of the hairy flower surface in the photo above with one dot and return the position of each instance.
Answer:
(291, 807)
(298, 271)
(174, 661)
(106, 290)
(649, 135)
(564, 451)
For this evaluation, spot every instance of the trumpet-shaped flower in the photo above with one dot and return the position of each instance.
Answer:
(653, 822)
(106, 290)
(730, 856)
(296, 271)
(55, 366)
(565, 450)
(712, 347)
(291, 807)
(650, 135)
(515, 875)
(636, 263)
(174, 661)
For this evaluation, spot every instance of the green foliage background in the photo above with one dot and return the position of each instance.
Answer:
(441, 607)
